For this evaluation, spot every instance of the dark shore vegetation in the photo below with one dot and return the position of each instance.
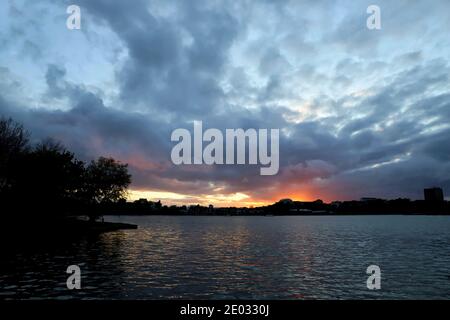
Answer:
(44, 187)
(286, 207)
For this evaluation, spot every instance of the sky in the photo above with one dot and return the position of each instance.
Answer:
(361, 113)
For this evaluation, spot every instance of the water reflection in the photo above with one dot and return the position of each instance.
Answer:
(241, 257)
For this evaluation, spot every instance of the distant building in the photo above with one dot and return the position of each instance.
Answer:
(141, 201)
(433, 194)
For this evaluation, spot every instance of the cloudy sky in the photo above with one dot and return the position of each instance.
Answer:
(361, 112)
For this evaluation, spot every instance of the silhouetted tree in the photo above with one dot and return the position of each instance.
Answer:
(13, 144)
(51, 178)
(48, 180)
(107, 180)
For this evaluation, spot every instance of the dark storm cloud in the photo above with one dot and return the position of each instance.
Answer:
(174, 63)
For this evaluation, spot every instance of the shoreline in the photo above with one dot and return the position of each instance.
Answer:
(278, 215)
(63, 228)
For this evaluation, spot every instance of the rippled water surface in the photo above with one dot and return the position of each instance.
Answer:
(242, 257)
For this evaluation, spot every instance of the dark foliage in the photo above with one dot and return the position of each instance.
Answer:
(47, 180)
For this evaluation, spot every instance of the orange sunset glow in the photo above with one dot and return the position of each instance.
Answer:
(218, 200)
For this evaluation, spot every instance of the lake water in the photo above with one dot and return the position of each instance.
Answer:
(293, 257)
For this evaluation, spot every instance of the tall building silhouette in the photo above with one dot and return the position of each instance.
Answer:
(433, 194)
